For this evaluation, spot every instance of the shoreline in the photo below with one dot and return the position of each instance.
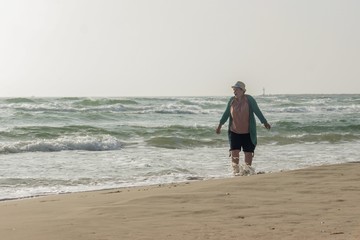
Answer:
(186, 181)
(314, 203)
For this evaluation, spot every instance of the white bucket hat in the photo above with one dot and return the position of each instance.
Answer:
(239, 84)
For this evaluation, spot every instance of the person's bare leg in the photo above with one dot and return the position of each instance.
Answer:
(248, 158)
(235, 156)
(235, 161)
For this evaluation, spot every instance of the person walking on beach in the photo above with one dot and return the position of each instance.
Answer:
(242, 126)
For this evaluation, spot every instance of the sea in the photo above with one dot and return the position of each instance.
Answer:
(63, 145)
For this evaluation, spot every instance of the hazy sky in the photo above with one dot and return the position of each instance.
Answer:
(178, 47)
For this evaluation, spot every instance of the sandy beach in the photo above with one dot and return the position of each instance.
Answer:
(314, 203)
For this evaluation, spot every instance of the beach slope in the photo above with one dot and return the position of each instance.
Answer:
(313, 203)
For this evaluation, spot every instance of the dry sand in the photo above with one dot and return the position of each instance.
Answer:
(315, 203)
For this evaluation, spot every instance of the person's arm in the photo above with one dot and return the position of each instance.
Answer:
(218, 129)
(267, 126)
(224, 117)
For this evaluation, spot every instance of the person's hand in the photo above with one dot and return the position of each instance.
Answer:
(218, 129)
(267, 126)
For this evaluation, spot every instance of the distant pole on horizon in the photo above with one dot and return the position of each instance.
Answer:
(263, 91)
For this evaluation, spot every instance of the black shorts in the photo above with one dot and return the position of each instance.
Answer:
(241, 141)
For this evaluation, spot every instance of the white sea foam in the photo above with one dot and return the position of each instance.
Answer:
(88, 143)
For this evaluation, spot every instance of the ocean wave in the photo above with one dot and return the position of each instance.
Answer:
(61, 109)
(308, 138)
(173, 122)
(126, 105)
(182, 142)
(176, 111)
(104, 102)
(316, 126)
(51, 132)
(19, 100)
(85, 143)
(91, 138)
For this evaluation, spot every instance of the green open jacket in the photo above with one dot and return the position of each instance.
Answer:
(253, 108)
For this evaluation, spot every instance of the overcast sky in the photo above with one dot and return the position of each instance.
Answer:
(178, 47)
